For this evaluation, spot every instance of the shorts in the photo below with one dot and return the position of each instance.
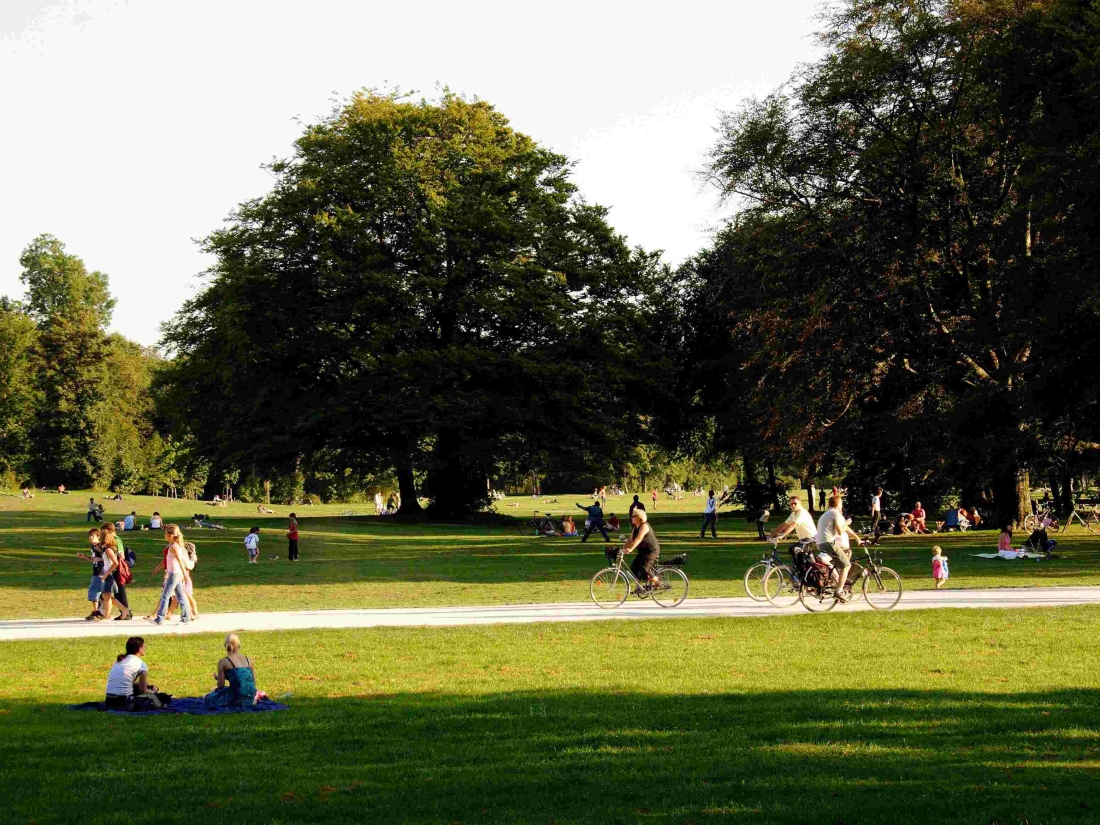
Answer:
(841, 557)
(642, 566)
(253, 553)
(95, 588)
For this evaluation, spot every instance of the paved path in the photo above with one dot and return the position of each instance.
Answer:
(526, 613)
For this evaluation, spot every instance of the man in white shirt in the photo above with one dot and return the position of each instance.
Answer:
(876, 508)
(800, 521)
(710, 516)
(830, 527)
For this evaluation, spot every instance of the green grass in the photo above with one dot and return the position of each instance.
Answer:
(960, 716)
(364, 561)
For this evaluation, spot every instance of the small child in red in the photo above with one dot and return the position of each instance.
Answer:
(939, 567)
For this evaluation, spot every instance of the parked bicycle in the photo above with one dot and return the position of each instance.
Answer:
(539, 526)
(881, 586)
(1090, 520)
(1043, 518)
(610, 587)
(757, 574)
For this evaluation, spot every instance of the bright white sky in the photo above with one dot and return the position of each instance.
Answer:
(131, 128)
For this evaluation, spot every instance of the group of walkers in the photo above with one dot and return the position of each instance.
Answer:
(129, 688)
(112, 569)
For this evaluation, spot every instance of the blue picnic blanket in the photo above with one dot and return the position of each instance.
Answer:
(189, 704)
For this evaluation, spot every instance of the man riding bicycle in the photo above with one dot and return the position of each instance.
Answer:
(800, 521)
(830, 527)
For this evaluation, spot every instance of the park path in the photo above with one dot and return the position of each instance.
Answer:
(527, 613)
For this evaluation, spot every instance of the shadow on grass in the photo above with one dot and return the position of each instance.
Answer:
(805, 756)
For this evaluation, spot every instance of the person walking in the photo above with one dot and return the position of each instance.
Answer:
(594, 521)
(654, 496)
(876, 508)
(175, 576)
(710, 516)
(292, 538)
(634, 505)
(378, 506)
(821, 499)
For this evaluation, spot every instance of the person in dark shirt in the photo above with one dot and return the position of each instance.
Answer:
(644, 541)
(594, 521)
(634, 505)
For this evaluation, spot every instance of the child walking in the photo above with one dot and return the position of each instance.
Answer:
(292, 538)
(939, 567)
(252, 545)
(95, 588)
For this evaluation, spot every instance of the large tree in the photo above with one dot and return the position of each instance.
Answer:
(916, 233)
(71, 307)
(18, 391)
(422, 289)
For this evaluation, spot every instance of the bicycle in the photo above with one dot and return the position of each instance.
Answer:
(881, 586)
(539, 526)
(758, 573)
(610, 587)
(1034, 521)
(1090, 522)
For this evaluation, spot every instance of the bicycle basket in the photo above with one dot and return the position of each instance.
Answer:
(674, 561)
(612, 554)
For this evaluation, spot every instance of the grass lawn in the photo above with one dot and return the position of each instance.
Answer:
(931, 716)
(365, 561)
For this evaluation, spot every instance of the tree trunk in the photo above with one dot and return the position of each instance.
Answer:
(772, 495)
(809, 485)
(1056, 493)
(1067, 491)
(267, 492)
(1012, 496)
(406, 485)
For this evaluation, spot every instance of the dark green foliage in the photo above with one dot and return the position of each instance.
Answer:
(422, 290)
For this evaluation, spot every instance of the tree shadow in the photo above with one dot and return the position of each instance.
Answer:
(881, 756)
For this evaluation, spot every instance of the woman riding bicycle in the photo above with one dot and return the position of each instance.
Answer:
(644, 540)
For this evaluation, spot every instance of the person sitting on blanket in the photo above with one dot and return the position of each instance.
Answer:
(129, 678)
(568, 528)
(236, 678)
(917, 525)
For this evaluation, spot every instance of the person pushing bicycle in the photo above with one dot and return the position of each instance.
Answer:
(644, 540)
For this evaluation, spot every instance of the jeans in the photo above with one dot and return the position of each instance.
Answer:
(173, 586)
(712, 520)
(592, 528)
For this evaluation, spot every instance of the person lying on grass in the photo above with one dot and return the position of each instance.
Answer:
(235, 676)
(128, 682)
(644, 540)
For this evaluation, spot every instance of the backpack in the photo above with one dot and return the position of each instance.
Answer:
(192, 556)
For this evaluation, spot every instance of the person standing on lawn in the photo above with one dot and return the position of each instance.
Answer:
(634, 505)
(654, 496)
(594, 521)
(252, 545)
(93, 512)
(292, 538)
(876, 508)
(710, 516)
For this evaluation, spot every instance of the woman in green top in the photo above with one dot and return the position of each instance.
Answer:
(235, 676)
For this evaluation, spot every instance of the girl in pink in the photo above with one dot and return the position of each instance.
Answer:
(1005, 541)
(939, 567)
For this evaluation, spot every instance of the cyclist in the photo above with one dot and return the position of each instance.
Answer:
(830, 527)
(800, 521)
(644, 540)
(594, 521)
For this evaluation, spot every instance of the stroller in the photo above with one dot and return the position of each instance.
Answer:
(1039, 546)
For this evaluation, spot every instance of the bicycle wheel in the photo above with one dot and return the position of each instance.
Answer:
(882, 591)
(609, 588)
(1031, 523)
(675, 587)
(754, 580)
(781, 587)
(1092, 523)
(815, 601)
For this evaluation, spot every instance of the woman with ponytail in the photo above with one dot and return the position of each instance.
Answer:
(175, 576)
(235, 676)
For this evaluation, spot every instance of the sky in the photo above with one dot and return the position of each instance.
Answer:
(133, 128)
